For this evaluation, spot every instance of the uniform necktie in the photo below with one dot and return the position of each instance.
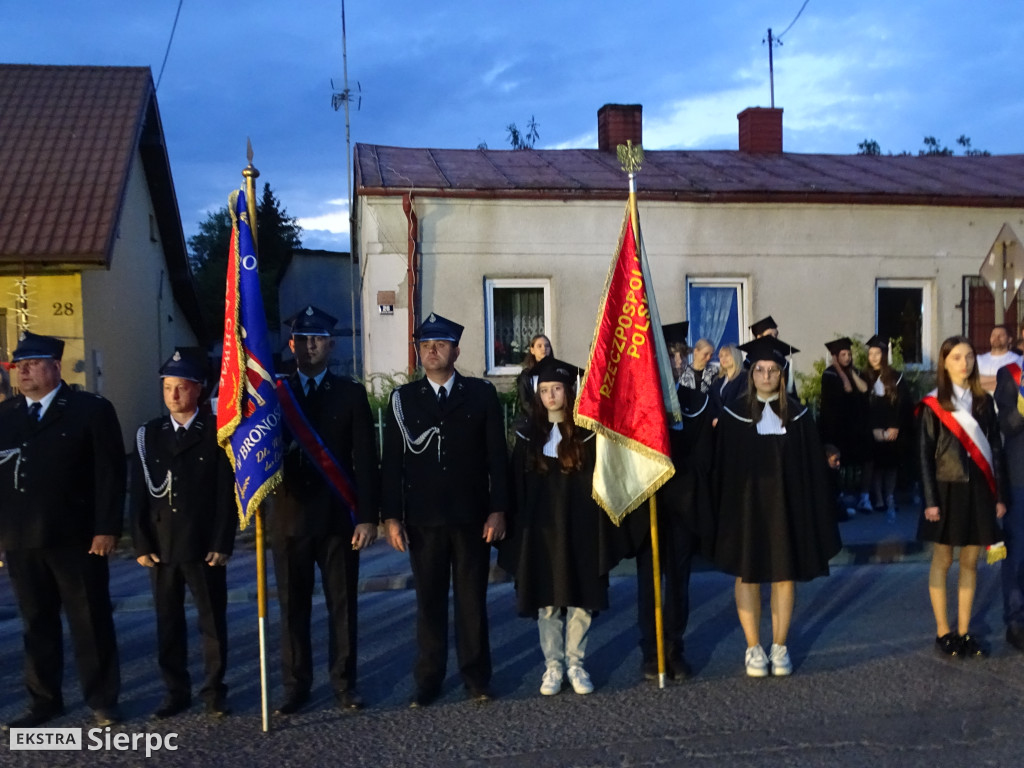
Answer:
(34, 410)
(442, 396)
(179, 434)
(310, 387)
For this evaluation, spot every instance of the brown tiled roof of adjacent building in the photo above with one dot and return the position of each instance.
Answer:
(694, 175)
(68, 139)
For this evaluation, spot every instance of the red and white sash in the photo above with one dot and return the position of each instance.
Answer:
(968, 432)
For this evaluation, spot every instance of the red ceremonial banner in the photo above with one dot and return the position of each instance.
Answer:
(621, 391)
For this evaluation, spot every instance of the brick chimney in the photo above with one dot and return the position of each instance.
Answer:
(760, 130)
(618, 123)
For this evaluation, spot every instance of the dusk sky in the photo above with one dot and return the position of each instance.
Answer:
(454, 73)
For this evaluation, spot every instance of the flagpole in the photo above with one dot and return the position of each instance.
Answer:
(250, 173)
(632, 158)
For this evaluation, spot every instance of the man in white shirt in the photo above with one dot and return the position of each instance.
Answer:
(1001, 354)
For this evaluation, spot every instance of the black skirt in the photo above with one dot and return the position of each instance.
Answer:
(967, 515)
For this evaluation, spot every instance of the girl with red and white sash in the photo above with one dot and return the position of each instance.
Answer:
(963, 484)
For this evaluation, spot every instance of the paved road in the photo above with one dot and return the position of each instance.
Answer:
(868, 690)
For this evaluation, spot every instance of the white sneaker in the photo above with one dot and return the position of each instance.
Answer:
(865, 505)
(580, 680)
(551, 683)
(756, 661)
(781, 665)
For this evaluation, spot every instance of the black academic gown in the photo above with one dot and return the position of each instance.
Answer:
(444, 470)
(844, 418)
(776, 521)
(311, 528)
(196, 517)
(63, 482)
(562, 544)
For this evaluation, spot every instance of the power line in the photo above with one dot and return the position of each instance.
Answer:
(171, 40)
(778, 37)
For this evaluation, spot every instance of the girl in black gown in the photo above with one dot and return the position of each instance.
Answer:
(558, 549)
(776, 522)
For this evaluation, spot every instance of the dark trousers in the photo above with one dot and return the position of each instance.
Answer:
(1013, 565)
(453, 555)
(294, 561)
(677, 546)
(208, 585)
(44, 580)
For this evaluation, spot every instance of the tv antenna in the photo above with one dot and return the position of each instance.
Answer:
(338, 99)
(777, 41)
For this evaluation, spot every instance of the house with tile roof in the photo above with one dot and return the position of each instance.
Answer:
(515, 242)
(91, 243)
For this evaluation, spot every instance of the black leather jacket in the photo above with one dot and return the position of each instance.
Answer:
(944, 460)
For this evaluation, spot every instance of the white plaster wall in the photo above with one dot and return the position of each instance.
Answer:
(131, 321)
(813, 267)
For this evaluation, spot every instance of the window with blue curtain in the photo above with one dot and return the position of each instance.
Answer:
(713, 312)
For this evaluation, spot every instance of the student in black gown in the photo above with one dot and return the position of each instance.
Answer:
(775, 522)
(890, 412)
(964, 487)
(560, 536)
(526, 381)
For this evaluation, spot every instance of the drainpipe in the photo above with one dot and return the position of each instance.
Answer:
(412, 272)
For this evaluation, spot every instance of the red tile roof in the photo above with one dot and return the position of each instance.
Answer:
(67, 139)
(713, 175)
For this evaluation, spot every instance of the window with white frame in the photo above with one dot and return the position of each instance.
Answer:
(903, 310)
(517, 309)
(716, 309)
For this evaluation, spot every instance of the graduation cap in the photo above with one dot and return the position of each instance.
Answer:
(768, 348)
(437, 328)
(32, 346)
(311, 321)
(550, 369)
(186, 363)
(879, 342)
(675, 333)
(763, 325)
(838, 345)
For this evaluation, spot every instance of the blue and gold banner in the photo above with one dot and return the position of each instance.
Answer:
(248, 411)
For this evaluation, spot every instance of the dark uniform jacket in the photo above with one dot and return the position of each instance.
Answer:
(306, 505)
(199, 515)
(63, 481)
(458, 474)
(1012, 424)
(944, 460)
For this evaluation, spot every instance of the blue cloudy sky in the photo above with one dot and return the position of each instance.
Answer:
(454, 73)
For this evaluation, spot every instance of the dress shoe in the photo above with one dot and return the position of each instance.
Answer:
(170, 707)
(292, 704)
(350, 701)
(970, 648)
(1015, 637)
(423, 698)
(216, 708)
(948, 644)
(35, 717)
(104, 716)
(650, 669)
(678, 667)
(479, 695)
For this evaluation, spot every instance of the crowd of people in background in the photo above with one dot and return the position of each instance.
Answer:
(759, 489)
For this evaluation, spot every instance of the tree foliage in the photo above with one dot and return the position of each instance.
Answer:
(520, 140)
(933, 147)
(278, 235)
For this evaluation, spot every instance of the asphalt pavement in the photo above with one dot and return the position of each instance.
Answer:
(868, 688)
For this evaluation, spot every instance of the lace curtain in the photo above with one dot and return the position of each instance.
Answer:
(518, 317)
